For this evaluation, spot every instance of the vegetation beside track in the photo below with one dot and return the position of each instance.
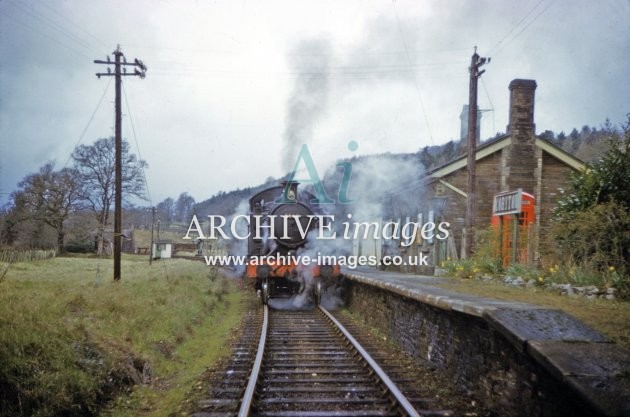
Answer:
(73, 342)
(610, 317)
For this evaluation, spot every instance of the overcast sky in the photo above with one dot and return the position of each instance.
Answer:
(230, 83)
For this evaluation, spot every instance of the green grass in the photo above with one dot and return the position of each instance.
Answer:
(71, 339)
(607, 316)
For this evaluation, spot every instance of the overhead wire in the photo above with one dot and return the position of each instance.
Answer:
(144, 175)
(37, 30)
(496, 48)
(30, 11)
(198, 51)
(440, 69)
(526, 26)
(98, 105)
(504, 37)
(73, 23)
(483, 84)
(72, 37)
(356, 72)
(415, 80)
(364, 72)
(251, 75)
(47, 28)
(135, 138)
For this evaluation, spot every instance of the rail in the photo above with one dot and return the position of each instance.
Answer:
(248, 397)
(393, 389)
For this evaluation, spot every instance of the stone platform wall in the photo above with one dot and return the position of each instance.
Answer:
(486, 355)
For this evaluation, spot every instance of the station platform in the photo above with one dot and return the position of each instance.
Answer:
(588, 362)
(422, 288)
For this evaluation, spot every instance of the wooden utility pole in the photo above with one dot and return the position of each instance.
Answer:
(120, 70)
(152, 225)
(475, 63)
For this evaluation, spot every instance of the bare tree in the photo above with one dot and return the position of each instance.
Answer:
(95, 165)
(165, 210)
(8, 225)
(48, 197)
(184, 207)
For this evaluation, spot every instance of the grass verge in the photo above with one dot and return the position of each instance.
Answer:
(72, 340)
(610, 317)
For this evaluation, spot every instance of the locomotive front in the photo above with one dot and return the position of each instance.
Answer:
(281, 218)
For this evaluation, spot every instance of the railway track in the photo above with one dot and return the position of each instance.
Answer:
(305, 363)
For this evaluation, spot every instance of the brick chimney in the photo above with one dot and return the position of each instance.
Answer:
(520, 159)
(522, 96)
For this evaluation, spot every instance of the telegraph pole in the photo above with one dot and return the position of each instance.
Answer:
(475, 63)
(120, 70)
(152, 225)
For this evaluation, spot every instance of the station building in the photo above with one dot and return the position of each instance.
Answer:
(519, 179)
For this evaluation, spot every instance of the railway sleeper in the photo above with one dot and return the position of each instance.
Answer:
(330, 388)
(303, 344)
(217, 403)
(371, 401)
(235, 392)
(307, 350)
(310, 381)
(313, 371)
(335, 413)
(322, 352)
(315, 365)
(312, 359)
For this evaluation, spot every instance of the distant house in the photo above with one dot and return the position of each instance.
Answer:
(516, 164)
(174, 235)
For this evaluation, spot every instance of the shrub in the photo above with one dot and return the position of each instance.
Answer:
(464, 268)
(596, 241)
(79, 247)
(472, 267)
(592, 222)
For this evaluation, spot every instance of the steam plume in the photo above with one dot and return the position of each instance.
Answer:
(310, 60)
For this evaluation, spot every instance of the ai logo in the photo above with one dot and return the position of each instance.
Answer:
(315, 181)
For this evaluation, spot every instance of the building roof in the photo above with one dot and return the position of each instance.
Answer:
(496, 144)
(560, 154)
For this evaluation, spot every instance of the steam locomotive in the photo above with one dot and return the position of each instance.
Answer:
(281, 218)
